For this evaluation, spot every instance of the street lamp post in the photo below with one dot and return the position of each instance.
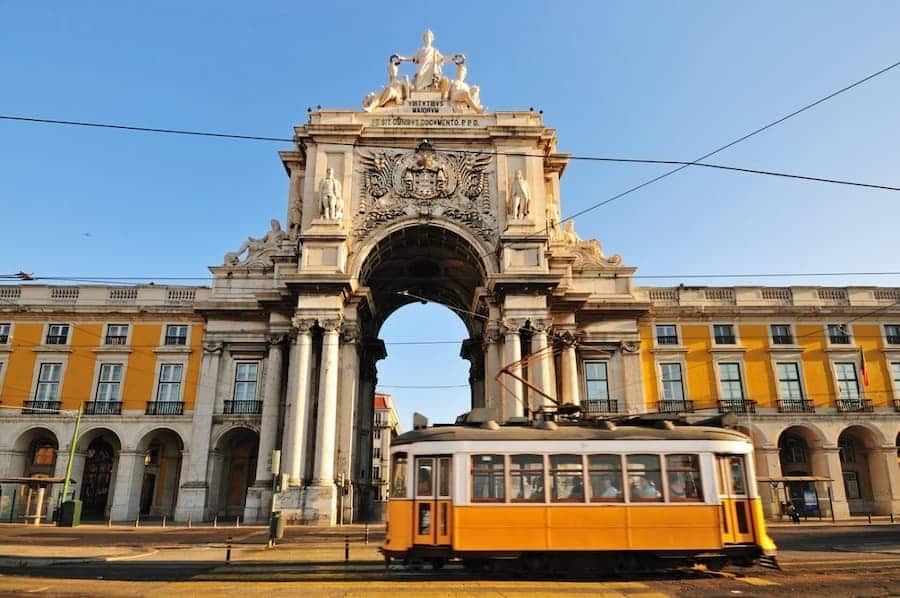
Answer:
(71, 459)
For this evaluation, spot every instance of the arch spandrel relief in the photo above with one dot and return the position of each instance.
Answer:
(425, 183)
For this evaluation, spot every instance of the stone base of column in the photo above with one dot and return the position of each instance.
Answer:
(310, 505)
(192, 502)
(841, 509)
(259, 501)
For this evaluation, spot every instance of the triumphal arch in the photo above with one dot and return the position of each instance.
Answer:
(422, 195)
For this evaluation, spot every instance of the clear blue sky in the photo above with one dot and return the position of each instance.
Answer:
(635, 79)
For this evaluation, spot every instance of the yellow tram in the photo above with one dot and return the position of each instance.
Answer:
(583, 494)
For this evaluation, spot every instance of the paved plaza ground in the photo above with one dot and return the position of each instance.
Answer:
(817, 559)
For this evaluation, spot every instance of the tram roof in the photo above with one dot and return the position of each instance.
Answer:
(449, 433)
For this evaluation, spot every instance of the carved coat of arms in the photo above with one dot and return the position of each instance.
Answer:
(426, 182)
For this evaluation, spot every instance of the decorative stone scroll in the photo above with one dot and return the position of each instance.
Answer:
(425, 183)
(588, 254)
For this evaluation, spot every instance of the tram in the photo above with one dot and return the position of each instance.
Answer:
(591, 495)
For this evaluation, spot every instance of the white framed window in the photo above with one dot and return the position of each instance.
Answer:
(730, 381)
(57, 334)
(596, 385)
(176, 335)
(782, 334)
(672, 381)
(789, 384)
(723, 334)
(376, 473)
(245, 377)
(847, 381)
(169, 387)
(116, 334)
(109, 382)
(666, 334)
(376, 433)
(4, 332)
(891, 333)
(376, 452)
(838, 334)
(49, 376)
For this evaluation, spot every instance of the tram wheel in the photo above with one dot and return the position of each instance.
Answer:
(438, 563)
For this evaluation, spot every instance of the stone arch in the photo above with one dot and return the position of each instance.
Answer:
(158, 474)
(35, 453)
(756, 434)
(801, 452)
(98, 450)
(234, 458)
(860, 455)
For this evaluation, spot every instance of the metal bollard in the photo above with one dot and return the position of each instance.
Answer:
(228, 552)
(892, 517)
(237, 521)
(367, 532)
(137, 521)
(870, 516)
(109, 521)
(164, 521)
(346, 548)
(190, 523)
(216, 521)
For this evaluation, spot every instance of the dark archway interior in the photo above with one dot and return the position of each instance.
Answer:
(424, 261)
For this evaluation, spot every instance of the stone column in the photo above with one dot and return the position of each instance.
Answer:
(542, 366)
(885, 479)
(327, 412)
(194, 489)
(259, 496)
(513, 395)
(632, 380)
(768, 465)
(294, 438)
(346, 425)
(126, 492)
(571, 393)
(472, 352)
(828, 458)
(491, 348)
(320, 506)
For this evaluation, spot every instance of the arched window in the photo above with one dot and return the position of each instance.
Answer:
(847, 449)
(41, 457)
(794, 449)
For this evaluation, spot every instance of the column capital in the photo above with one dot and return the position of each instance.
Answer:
(491, 336)
(273, 339)
(630, 346)
(303, 325)
(213, 347)
(350, 333)
(541, 325)
(513, 326)
(331, 324)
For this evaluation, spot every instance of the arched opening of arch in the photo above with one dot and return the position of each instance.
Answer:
(800, 455)
(34, 455)
(234, 471)
(424, 267)
(98, 450)
(857, 447)
(159, 478)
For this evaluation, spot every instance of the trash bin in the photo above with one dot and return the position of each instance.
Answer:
(276, 527)
(69, 514)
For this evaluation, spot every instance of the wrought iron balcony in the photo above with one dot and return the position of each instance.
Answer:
(666, 340)
(795, 406)
(39, 407)
(242, 407)
(861, 405)
(893, 339)
(726, 339)
(56, 339)
(684, 406)
(103, 408)
(601, 406)
(165, 408)
(115, 339)
(781, 339)
(737, 406)
(179, 341)
(839, 339)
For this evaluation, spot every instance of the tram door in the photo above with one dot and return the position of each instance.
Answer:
(735, 499)
(432, 507)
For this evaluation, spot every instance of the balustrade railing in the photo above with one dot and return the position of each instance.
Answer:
(795, 406)
(165, 408)
(242, 407)
(684, 406)
(103, 408)
(737, 406)
(39, 407)
(862, 405)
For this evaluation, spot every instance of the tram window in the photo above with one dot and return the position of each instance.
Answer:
(424, 477)
(644, 478)
(398, 476)
(683, 475)
(444, 479)
(736, 468)
(605, 473)
(488, 483)
(527, 475)
(567, 478)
